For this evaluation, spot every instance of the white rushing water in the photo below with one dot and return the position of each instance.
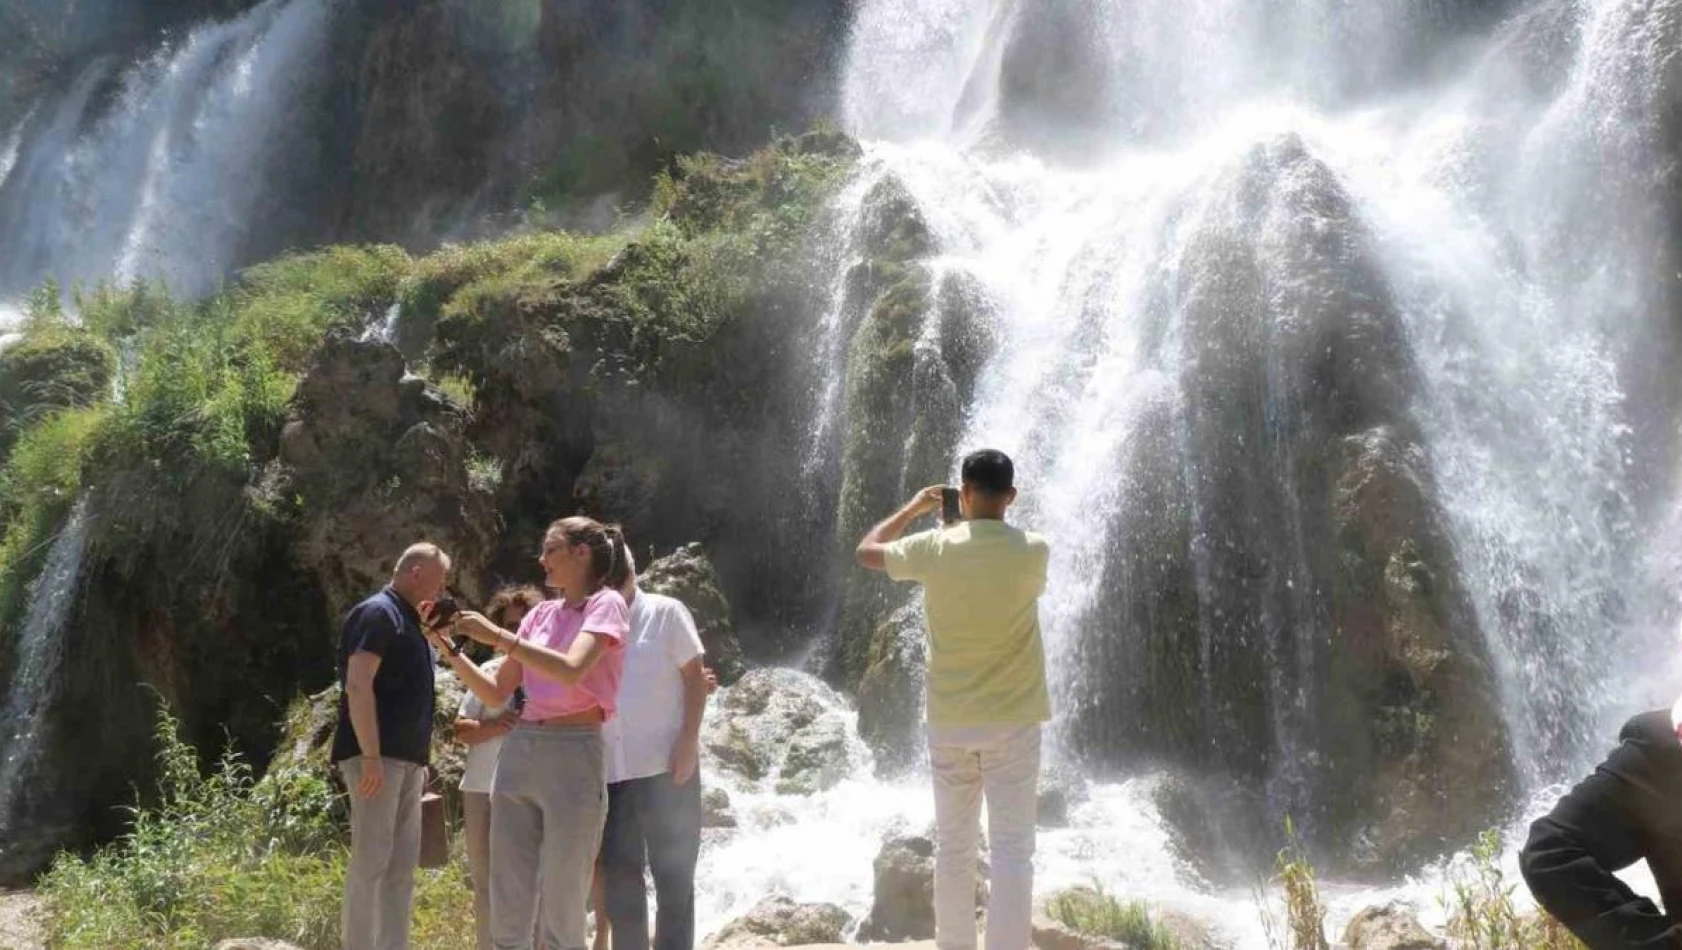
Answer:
(39, 656)
(155, 170)
(1498, 174)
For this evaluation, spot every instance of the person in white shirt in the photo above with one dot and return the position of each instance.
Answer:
(654, 789)
(482, 729)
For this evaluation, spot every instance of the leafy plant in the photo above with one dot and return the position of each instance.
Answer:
(224, 855)
(1482, 914)
(1304, 924)
(1095, 912)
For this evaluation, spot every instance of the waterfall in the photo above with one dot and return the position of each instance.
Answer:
(38, 659)
(1491, 218)
(156, 171)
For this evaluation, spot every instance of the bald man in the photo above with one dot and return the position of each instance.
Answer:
(382, 744)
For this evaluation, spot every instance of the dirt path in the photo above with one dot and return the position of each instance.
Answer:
(20, 927)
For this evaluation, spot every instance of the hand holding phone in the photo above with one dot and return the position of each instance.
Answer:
(951, 512)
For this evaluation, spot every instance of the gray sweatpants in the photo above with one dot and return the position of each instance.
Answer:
(548, 803)
(385, 839)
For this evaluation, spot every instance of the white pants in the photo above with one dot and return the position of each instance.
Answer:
(1002, 764)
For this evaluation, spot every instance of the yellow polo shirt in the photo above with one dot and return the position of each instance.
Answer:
(981, 582)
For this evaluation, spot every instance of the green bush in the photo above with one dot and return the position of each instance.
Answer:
(41, 480)
(222, 856)
(54, 366)
(284, 307)
(1094, 912)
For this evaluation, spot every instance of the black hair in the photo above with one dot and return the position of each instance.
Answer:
(989, 471)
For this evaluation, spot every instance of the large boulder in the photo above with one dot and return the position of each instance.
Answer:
(376, 459)
(780, 922)
(1389, 927)
(784, 730)
(903, 905)
(1281, 504)
(687, 574)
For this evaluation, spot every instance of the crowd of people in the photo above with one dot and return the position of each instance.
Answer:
(584, 729)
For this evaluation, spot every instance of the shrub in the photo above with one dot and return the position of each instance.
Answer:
(222, 856)
(1094, 912)
(54, 366)
(284, 307)
(1482, 915)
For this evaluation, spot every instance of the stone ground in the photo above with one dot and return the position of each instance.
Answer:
(20, 928)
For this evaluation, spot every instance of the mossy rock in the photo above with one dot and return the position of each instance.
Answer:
(51, 369)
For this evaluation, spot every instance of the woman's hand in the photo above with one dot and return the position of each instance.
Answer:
(439, 640)
(506, 722)
(470, 623)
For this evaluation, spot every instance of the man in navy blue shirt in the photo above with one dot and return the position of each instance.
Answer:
(382, 745)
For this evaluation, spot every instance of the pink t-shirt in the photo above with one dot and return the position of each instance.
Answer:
(555, 624)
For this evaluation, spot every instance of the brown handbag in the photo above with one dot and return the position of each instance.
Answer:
(435, 832)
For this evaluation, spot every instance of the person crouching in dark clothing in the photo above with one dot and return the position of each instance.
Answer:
(1629, 809)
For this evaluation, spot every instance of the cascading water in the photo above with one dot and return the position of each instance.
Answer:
(1169, 209)
(38, 659)
(155, 171)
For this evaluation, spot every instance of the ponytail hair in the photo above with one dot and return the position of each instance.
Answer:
(621, 570)
(609, 567)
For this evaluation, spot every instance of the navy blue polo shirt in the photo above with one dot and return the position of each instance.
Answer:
(385, 625)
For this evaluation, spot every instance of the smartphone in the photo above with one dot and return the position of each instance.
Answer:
(443, 609)
(950, 511)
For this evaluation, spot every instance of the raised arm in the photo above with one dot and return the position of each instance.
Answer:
(872, 550)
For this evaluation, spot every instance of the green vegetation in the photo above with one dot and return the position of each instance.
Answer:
(283, 308)
(1482, 915)
(1304, 924)
(1094, 912)
(39, 483)
(226, 855)
(166, 416)
(53, 366)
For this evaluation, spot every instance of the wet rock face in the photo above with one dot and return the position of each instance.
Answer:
(917, 340)
(891, 693)
(378, 460)
(1287, 609)
(460, 109)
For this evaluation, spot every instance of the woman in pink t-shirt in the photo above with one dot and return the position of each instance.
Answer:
(548, 793)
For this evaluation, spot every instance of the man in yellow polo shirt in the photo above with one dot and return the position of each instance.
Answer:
(982, 580)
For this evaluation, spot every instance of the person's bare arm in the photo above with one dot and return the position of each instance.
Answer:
(492, 691)
(365, 719)
(686, 752)
(474, 731)
(564, 667)
(872, 550)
